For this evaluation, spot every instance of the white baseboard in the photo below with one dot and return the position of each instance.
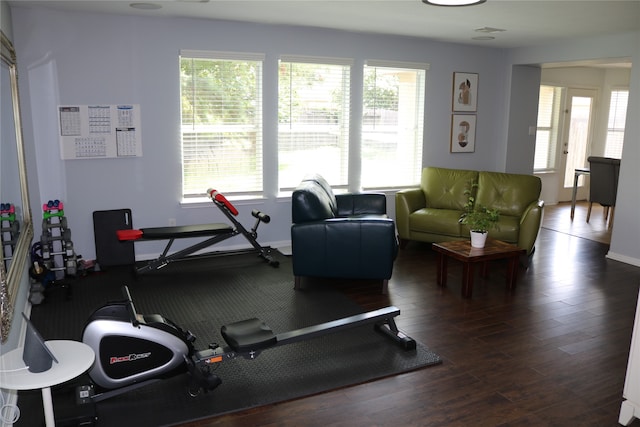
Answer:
(623, 258)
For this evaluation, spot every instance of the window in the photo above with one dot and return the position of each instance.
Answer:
(313, 120)
(616, 124)
(317, 131)
(392, 125)
(221, 122)
(547, 128)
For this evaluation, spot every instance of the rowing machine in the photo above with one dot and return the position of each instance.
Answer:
(215, 233)
(133, 350)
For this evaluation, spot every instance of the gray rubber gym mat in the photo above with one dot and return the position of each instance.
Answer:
(202, 295)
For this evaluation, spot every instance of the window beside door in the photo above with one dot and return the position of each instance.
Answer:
(548, 128)
(616, 123)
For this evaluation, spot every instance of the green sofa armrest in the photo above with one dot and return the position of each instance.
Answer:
(530, 224)
(407, 202)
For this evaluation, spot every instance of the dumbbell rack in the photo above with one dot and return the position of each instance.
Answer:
(9, 231)
(56, 245)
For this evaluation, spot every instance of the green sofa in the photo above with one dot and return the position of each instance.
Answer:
(431, 213)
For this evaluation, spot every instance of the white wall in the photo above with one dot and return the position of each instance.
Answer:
(70, 58)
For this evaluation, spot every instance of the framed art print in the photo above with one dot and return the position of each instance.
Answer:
(465, 92)
(463, 133)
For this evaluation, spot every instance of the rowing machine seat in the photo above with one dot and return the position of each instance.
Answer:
(248, 335)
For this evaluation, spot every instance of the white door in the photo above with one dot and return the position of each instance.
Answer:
(576, 140)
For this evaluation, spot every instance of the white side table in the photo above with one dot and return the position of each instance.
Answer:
(74, 358)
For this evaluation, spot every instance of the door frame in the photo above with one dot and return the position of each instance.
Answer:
(565, 192)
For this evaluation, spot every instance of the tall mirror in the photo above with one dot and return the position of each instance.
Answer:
(15, 214)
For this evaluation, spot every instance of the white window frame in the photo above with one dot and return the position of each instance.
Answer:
(232, 180)
(553, 129)
(319, 156)
(616, 123)
(397, 147)
(352, 140)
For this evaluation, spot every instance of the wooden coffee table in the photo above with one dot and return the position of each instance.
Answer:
(461, 250)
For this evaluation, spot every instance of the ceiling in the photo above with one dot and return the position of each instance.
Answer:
(525, 22)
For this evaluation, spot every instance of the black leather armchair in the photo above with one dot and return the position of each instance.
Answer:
(341, 236)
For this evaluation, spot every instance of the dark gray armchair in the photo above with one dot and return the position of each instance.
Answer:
(341, 236)
(603, 187)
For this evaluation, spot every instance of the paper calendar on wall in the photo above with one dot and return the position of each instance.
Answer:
(99, 131)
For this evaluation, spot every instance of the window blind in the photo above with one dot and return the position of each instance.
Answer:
(547, 128)
(616, 123)
(313, 120)
(392, 125)
(221, 123)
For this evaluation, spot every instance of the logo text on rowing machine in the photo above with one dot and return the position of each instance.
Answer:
(129, 358)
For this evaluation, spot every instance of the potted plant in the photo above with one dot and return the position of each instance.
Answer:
(479, 219)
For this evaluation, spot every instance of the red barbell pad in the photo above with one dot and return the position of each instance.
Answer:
(220, 198)
(129, 234)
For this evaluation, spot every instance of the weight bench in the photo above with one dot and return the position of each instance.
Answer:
(214, 233)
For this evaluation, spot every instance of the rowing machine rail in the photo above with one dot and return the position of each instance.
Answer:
(248, 338)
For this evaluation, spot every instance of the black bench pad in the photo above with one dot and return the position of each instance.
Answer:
(184, 231)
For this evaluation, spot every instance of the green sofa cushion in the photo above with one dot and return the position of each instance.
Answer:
(507, 230)
(445, 188)
(509, 193)
(439, 221)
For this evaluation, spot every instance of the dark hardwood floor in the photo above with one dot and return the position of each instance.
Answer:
(552, 353)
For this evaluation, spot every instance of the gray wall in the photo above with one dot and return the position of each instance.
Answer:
(520, 150)
(625, 239)
(604, 80)
(21, 297)
(69, 58)
(14, 338)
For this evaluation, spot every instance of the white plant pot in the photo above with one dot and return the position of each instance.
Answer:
(478, 239)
